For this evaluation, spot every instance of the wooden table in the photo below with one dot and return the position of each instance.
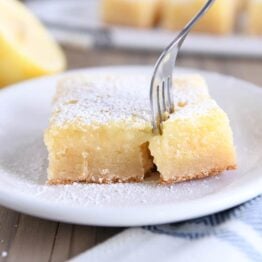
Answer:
(27, 238)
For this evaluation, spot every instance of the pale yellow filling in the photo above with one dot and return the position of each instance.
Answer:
(194, 146)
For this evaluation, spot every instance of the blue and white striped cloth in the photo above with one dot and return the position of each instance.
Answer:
(233, 235)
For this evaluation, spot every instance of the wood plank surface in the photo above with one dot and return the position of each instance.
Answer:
(24, 238)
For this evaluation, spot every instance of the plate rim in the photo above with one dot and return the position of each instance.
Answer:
(93, 215)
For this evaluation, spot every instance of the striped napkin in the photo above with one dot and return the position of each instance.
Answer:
(233, 235)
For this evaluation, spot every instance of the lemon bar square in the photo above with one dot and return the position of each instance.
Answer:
(254, 17)
(218, 20)
(93, 135)
(196, 142)
(100, 132)
(135, 13)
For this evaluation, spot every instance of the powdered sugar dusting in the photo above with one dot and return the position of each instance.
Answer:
(195, 110)
(106, 98)
(102, 99)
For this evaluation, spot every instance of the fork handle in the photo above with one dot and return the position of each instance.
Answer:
(183, 34)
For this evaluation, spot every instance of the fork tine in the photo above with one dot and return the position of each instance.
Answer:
(170, 95)
(159, 102)
(164, 104)
(167, 103)
(154, 106)
(161, 95)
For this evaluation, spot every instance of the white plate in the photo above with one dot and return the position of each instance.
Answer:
(24, 112)
(78, 23)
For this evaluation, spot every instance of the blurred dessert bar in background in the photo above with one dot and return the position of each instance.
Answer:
(131, 13)
(220, 19)
(223, 17)
(241, 4)
(255, 17)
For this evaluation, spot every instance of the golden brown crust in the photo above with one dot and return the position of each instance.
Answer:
(95, 181)
(208, 173)
(161, 180)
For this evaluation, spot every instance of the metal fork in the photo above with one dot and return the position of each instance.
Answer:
(161, 89)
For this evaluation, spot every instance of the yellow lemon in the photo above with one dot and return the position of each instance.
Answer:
(26, 48)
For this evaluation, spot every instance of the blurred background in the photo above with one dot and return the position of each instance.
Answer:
(115, 32)
(92, 38)
(230, 28)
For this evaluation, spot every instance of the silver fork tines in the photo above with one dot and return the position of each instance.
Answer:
(161, 89)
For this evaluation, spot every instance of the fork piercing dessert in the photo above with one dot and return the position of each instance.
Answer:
(100, 131)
